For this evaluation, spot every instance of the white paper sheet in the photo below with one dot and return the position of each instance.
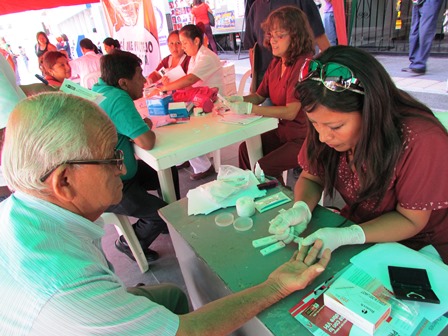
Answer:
(375, 260)
(240, 119)
(175, 73)
(71, 87)
(199, 203)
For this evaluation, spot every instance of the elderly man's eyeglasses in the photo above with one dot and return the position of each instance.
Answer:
(118, 161)
(336, 77)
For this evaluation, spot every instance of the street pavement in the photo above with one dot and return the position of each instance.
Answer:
(430, 88)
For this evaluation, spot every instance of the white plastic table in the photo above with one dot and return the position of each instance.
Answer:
(180, 142)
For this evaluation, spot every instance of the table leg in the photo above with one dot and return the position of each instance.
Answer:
(167, 185)
(254, 149)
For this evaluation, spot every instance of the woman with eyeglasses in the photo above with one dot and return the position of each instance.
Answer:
(177, 58)
(289, 37)
(55, 67)
(381, 149)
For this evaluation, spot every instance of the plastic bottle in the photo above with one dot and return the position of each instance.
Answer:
(259, 173)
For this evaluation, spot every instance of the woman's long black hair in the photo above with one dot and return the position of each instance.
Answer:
(383, 109)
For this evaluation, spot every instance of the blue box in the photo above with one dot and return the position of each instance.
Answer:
(158, 105)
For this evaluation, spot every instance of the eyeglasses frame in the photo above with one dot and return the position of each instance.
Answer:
(118, 161)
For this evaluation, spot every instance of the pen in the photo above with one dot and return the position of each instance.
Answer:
(43, 80)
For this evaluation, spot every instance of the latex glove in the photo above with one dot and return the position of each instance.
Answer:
(241, 107)
(234, 99)
(298, 216)
(336, 237)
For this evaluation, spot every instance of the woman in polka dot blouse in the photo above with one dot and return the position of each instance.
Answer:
(382, 150)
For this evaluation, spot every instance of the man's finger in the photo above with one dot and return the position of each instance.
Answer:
(325, 258)
(311, 257)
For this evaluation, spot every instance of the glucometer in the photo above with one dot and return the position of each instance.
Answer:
(411, 284)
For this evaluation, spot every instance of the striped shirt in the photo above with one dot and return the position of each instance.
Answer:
(55, 279)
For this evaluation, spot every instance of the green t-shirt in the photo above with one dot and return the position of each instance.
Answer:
(120, 108)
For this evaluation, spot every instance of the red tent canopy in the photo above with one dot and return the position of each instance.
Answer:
(14, 6)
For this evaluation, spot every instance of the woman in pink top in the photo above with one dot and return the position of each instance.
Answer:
(199, 14)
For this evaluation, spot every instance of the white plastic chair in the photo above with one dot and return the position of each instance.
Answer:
(124, 227)
(89, 80)
(243, 81)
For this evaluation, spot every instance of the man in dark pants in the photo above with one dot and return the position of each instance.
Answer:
(121, 83)
(423, 29)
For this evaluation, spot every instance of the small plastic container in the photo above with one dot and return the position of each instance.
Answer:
(245, 206)
(224, 219)
(243, 223)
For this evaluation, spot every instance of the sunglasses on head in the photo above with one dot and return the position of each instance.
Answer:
(336, 77)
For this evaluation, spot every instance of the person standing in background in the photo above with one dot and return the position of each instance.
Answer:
(423, 29)
(24, 56)
(64, 45)
(43, 45)
(12, 57)
(199, 13)
(329, 24)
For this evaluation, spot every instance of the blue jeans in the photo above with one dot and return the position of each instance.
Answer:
(423, 30)
(330, 28)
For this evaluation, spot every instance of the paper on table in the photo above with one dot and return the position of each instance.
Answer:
(240, 119)
(199, 203)
(175, 73)
(396, 254)
(73, 88)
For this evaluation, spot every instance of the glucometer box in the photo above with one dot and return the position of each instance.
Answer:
(357, 304)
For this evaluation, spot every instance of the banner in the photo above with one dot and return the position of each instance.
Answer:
(133, 23)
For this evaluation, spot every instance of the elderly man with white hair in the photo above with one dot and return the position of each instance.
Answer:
(61, 161)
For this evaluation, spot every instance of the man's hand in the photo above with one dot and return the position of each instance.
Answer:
(148, 122)
(333, 238)
(298, 216)
(301, 269)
